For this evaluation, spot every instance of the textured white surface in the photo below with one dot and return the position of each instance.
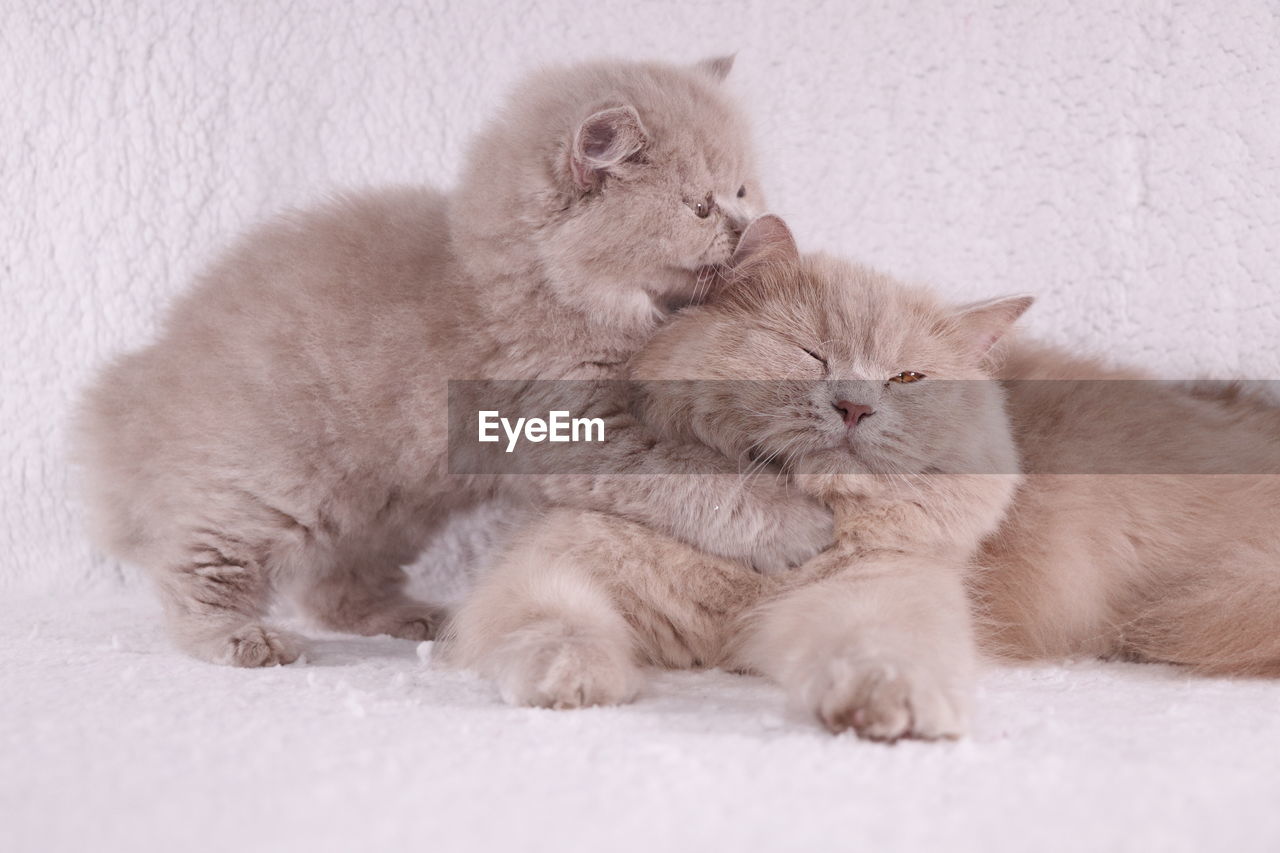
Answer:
(1121, 160)
(110, 742)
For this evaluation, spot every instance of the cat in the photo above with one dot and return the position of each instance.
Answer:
(997, 550)
(874, 633)
(286, 433)
(1145, 528)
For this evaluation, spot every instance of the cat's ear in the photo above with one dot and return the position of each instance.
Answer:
(765, 241)
(604, 140)
(717, 67)
(982, 324)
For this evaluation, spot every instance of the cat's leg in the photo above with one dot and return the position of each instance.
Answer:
(882, 646)
(1219, 620)
(544, 627)
(365, 595)
(216, 590)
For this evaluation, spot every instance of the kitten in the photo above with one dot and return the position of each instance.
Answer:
(873, 634)
(287, 431)
(1156, 549)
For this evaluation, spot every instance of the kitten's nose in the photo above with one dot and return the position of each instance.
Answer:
(852, 413)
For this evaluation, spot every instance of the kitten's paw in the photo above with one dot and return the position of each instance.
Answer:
(259, 645)
(415, 621)
(886, 699)
(560, 670)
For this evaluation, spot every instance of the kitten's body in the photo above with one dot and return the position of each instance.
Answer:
(874, 634)
(288, 429)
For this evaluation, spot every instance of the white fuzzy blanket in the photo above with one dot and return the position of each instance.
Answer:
(112, 742)
(1120, 160)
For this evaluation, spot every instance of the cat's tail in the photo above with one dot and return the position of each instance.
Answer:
(1225, 623)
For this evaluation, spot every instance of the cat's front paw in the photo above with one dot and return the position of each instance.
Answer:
(885, 699)
(552, 669)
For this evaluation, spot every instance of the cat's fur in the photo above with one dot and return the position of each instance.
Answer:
(872, 634)
(876, 634)
(287, 431)
(1167, 551)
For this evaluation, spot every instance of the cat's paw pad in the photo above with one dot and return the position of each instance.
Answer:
(259, 645)
(886, 700)
(566, 672)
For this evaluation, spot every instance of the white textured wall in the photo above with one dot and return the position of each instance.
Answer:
(1123, 163)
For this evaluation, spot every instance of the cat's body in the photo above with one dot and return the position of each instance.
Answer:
(876, 633)
(879, 620)
(1146, 527)
(287, 432)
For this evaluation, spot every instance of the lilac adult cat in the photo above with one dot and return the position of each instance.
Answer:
(287, 430)
(1144, 526)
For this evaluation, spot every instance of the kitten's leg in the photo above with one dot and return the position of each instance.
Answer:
(366, 596)
(882, 646)
(544, 628)
(215, 596)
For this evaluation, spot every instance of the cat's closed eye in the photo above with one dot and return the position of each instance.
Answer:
(742, 191)
(907, 376)
(815, 355)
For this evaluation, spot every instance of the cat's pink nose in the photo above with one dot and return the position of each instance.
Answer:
(852, 413)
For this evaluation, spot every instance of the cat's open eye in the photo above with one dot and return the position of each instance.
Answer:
(907, 376)
(742, 191)
(818, 357)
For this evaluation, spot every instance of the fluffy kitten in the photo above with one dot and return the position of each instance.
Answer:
(287, 431)
(873, 634)
(1155, 548)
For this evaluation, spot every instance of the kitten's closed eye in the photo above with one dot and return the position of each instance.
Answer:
(907, 376)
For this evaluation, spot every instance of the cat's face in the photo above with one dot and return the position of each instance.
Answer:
(633, 180)
(822, 365)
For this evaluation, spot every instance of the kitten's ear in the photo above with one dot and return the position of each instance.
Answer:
(717, 67)
(766, 240)
(982, 324)
(601, 142)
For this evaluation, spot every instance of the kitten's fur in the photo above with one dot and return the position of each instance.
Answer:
(287, 430)
(875, 634)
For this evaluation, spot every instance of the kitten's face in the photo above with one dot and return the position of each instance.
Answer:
(672, 215)
(830, 367)
(661, 181)
(628, 181)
